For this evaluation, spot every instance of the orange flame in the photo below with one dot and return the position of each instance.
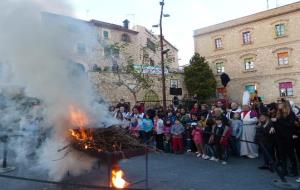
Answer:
(79, 119)
(117, 179)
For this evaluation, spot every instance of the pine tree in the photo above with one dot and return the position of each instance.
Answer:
(199, 78)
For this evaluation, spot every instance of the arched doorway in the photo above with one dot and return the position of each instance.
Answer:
(151, 99)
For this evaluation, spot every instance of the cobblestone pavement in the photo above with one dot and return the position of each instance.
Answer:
(166, 172)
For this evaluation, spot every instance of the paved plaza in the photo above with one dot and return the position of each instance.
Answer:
(166, 172)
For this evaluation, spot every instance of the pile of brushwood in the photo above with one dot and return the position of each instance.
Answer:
(112, 139)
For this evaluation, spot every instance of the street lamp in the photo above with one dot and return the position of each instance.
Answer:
(162, 52)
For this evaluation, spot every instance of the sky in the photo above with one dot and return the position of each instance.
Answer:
(185, 15)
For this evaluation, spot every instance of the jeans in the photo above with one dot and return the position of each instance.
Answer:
(235, 146)
(209, 150)
(221, 152)
(189, 144)
(146, 136)
(159, 138)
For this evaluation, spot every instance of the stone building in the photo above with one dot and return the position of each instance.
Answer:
(144, 49)
(105, 49)
(259, 52)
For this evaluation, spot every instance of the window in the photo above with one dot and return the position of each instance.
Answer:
(106, 34)
(125, 38)
(246, 37)
(280, 30)
(218, 43)
(116, 52)
(221, 93)
(81, 48)
(220, 68)
(174, 83)
(111, 52)
(249, 64)
(286, 89)
(152, 62)
(151, 45)
(107, 51)
(283, 58)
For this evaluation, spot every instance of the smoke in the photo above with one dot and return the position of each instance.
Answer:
(38, 57)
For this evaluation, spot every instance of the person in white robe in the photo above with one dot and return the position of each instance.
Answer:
(249, 118)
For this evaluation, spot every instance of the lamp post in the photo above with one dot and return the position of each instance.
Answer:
(162, 52)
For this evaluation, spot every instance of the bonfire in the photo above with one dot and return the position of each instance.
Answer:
(111, 143)
(99, 142)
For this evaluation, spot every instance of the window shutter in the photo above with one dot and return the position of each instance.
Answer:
(282, 55)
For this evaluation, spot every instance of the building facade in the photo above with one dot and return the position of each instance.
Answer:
(105, 50)
(259, 52)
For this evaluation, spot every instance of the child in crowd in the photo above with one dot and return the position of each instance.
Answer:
(159, 132)
(171, 116)
(220, 141)
(203, 121)
(167, 136)
(197, 138)
(189, 143)
(208, 148)
(134, 127)
(236, 125)
(146, 129)
(177, 131)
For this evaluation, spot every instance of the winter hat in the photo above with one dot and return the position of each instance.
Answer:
(193, 124)
(265, 113)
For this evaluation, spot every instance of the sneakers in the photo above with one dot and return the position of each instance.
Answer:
(189, 150)
(252, 156)
(205, 157)
(223, 162)
(199, 155)
(298, 180)
(214, 159)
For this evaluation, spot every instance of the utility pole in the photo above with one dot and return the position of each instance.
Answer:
(267, 4)
(162, 3)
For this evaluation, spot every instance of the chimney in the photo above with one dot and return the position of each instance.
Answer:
(126, 24)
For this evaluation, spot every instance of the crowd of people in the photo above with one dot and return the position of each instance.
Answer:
(216, 132)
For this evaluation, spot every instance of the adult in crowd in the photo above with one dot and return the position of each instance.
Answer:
(195, 110)
(123, 111)
(159, 132)
(136, 114)
(234, 109)
(221, 105)
(285, 132)
(122, 103)
(204, 110)
(265, 138)
(218, 112)
(249, 118)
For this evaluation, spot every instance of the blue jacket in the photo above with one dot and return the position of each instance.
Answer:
(177, 129)
(237, 128)
(147, 125)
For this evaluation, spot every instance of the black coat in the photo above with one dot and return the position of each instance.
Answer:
(285, 127)
(263, 134)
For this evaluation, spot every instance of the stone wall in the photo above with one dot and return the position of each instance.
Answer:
(106, 84)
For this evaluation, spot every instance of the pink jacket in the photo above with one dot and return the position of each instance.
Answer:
(197, 135)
